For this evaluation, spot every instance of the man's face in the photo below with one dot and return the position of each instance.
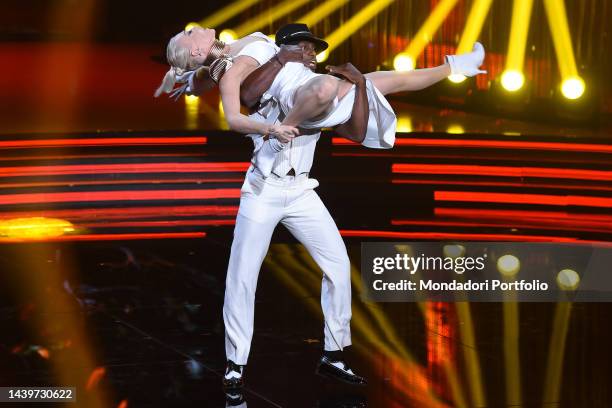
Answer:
(199, 40)
(310, 54)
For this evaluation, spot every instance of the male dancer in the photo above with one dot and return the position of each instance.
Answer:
(265, 201)
(286, 194)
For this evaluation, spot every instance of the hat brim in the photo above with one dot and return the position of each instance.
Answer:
(320, 44)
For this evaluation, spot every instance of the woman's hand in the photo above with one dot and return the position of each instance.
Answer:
(284, 133)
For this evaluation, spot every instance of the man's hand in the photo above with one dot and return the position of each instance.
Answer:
(347, 71)
(290, 53)
(284, 133)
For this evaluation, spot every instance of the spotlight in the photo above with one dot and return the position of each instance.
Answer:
(455, 129)
(404, 124)
(35, 228)
(403, 62)
(572, 88)
(191, 25)
(453, 251)
(508, 265)
(512, 80)
(227, 35)
(568, 279)
(456, 78)
(322, 56)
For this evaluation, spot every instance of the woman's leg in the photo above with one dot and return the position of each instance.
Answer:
(313, 99)
(400, 81)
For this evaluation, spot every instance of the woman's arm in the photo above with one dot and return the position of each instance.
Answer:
(229, 86)
(260, 80)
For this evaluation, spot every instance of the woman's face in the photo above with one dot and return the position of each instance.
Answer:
(199, 41)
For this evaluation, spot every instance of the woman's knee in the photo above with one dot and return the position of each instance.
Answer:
(325, 89)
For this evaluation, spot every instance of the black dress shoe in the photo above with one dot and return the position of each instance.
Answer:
(233, 398)
(233, 376)
(338, 370)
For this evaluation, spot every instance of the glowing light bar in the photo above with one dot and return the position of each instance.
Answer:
(458, 236)
(268, 17)
(322, 11)
(173, 167)
(227, 12)
(473, 27)
(502, 171)
(426, 32)
(513, 198)
(114, 237)
(77, 215)
(497, 144)
(573, 85)
(352, 25)
(102, 141)
(89, 196)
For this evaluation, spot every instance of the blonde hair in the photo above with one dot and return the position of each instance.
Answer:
(180, 60)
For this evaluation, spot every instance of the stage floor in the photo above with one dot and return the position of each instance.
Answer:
(127, 306)
(138, 324)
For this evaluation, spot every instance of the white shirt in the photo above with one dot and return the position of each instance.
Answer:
(300, 152)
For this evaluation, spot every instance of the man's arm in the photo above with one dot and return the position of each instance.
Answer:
(355, 128)
(229, 86)
(260, 80)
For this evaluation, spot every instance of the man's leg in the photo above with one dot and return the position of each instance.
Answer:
(255, 223)
(311, 224)
(313, 99)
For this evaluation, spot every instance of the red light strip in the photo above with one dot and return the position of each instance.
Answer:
(103, 141)
(110, 237)
(467, 237)
(156, 181)
(522, 214)
(128, 168)
(100, 156)
(504, 171)
(81, 214)
(512, 198)
(528, 224)
(169, 223)
(451, 235)
(501, 183)
(497, 144)
(119, 195)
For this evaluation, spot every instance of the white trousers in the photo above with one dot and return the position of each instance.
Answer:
(293, 202)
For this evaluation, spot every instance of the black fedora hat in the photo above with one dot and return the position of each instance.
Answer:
(298, 32)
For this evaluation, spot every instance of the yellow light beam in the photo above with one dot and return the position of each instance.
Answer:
(470, 354)
(556, 351)
(322, 11)
(227, 12)
(354, 23)
(429, 28)
(521, 14)
(281, 259)
(473, 25)
(511, 353)
(559, 29)
(268, 16)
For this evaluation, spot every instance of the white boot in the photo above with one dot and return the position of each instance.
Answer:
(467, 64)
